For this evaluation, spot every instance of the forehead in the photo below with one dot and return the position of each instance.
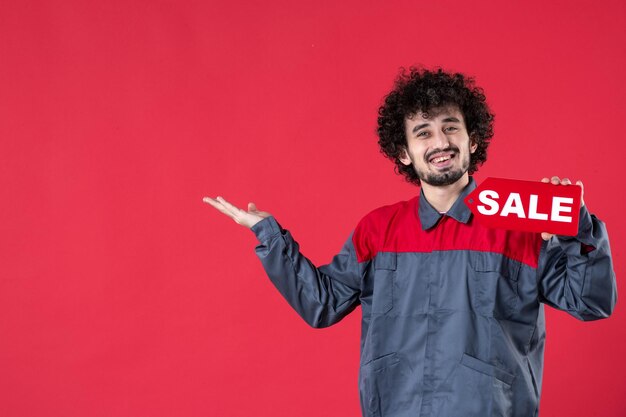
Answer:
(435, 113)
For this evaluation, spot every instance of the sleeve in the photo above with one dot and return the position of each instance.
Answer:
(575, 274)
(321, 296)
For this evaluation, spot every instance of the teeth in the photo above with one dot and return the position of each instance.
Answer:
(441, 159)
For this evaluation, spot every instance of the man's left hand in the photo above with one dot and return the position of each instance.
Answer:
(565, 181)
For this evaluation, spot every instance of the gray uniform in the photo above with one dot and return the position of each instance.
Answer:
(453, 317)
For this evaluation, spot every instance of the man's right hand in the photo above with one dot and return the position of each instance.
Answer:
(245, 218)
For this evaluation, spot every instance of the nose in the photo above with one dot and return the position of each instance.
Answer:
(441, 140)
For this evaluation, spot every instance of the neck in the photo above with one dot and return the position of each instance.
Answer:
(443, 197)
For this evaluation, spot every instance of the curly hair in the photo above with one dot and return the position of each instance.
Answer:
(423, 90)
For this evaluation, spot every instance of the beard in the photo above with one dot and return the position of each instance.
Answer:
(443, 178)
(446, 177)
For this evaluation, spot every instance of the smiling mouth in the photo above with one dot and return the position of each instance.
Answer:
(442, 160)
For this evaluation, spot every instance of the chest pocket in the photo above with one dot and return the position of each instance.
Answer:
(385, 264)
(494, 285)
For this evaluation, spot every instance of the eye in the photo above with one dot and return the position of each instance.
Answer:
(451, 129)
(423, 134)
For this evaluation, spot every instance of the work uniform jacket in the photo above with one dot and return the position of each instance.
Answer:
(453, 312)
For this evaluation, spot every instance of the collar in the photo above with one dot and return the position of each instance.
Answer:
(459, 211)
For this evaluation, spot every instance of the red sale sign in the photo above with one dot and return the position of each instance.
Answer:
(530, 206)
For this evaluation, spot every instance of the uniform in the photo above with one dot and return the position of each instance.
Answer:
(452, 312)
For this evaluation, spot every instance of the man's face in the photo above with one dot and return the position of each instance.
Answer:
(438, 145)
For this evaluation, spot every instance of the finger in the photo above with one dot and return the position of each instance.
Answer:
(545, 179)
(237, 214)
(555, 180)
(219, 206)
(236, 211)
(582, 192)
(252, 207)
(546, 236)
(212, 202)
(566, 181)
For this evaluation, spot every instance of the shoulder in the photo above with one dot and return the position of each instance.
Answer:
(372, 228)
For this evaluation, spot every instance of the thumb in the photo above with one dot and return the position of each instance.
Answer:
(252, 207)
(582, 192)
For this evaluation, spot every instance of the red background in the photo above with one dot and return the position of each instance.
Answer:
(122, 294)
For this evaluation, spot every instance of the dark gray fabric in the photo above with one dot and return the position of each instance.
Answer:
(456, 333)
(459, 210)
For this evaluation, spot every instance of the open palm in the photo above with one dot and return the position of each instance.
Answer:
(245, 218)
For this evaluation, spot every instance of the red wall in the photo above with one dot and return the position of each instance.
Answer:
(122, 294)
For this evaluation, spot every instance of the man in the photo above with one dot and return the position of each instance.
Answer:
(453, 319)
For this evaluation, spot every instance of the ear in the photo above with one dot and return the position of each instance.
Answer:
(473, 143)
(404, 157)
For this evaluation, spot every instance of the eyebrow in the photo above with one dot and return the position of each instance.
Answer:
(418, 127)
(446, 120)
